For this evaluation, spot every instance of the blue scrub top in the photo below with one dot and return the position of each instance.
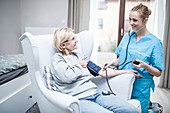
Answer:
(149, 50)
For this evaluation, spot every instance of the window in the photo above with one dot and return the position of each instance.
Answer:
(111, 17)
(100, 23)
(101, 5)
(109, 22)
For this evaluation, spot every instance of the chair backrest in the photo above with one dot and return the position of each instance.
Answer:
(38, 50)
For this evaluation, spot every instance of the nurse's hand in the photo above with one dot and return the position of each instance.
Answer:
(152, 70)
(135, 73)
(111, 64)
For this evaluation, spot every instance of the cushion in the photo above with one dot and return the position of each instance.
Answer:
(49, 78)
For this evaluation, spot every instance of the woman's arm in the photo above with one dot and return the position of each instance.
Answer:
(113, 72)
(64, 71)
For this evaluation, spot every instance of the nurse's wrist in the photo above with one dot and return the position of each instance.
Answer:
(144, 65)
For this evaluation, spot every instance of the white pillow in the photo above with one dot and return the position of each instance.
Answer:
(49, 78)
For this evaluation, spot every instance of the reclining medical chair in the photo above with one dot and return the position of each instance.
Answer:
(38, 51)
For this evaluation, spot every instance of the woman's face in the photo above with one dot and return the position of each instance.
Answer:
(136, 21)
(71, 44)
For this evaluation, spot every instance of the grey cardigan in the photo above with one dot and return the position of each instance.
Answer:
(70, 77)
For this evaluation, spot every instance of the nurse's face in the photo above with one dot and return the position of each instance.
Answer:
(135, 20)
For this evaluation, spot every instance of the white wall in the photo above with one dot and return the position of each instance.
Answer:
(10, 26)
(15, 15)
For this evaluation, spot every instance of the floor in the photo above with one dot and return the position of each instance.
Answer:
(160, 95)
(33, 109)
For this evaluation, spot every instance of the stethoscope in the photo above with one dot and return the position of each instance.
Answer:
(116, 67)
(123, 63)
(134, 61)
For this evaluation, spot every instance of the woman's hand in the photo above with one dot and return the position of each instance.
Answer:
(112, 72)
(83, 63)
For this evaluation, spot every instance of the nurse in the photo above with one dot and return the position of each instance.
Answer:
(146, 49)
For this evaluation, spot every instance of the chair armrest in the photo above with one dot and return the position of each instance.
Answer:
(136, 103)
(121, 85)
(64, 102)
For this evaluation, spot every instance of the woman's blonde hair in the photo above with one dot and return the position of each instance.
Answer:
(62, 35)
(143, 10)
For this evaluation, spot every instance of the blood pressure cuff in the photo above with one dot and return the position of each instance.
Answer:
(93, 68)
